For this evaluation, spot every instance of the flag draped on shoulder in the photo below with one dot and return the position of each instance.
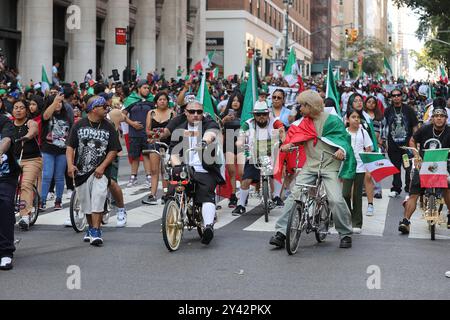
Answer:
(433, 173)
(292, 72)
(378, 166)
(332, 91)
(251, 95)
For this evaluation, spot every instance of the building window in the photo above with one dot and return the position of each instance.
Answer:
(251, 6)
(258, 4)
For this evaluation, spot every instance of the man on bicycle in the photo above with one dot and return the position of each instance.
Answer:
(96, 143)
(333, 138)
(261, 134)
(199, 130)
(431, 136)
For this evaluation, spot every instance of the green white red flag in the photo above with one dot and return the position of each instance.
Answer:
(434, 173)
(444, 76)
(378, 166)
(205, 63)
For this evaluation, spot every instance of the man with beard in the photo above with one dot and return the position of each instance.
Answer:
(432, 136)
(260, 134)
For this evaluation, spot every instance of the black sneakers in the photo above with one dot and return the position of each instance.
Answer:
(233, 201)
(278, 202)
(346, 243)
(240, 210)
(378, 196)
(151, 200)
(404, 226)
(278, 240)
(208, 234)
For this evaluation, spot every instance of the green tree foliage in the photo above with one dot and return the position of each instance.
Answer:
(434, 19)
(424, 61)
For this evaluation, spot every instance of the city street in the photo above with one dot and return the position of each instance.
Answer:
(239, 263)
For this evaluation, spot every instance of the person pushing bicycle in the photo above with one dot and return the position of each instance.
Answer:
(325, 133)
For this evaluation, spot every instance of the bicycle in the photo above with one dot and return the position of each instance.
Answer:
(431, 202)
(164, 158)
(21, 205)
(78, 219)
(310, 213)
(180, 210)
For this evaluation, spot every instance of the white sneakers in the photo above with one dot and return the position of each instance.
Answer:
(6, 263)
(370, 210)
(393, 194)
(69, 194)
(357, 230)
(121, 218)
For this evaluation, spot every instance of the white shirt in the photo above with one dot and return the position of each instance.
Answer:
(194, 158)
(360, 141)
(345, 97)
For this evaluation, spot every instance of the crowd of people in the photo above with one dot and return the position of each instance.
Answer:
(69, 137)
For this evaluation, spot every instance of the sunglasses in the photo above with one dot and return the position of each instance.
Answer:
(277, 98)
(261, 114)
(397, 95)
(199, 112)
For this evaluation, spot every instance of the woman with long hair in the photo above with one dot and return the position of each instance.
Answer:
(231, 120)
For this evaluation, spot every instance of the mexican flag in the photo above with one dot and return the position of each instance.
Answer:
(251, 95)
(205, 63)
(332, 91)
(138, 71)
(387, 68)
(444, 76)
(45, 84)
(291, 73)
(433, 173)
(204, 98)
(378, 166)
(214, 74)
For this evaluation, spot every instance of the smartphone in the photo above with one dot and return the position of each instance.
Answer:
(231, 112)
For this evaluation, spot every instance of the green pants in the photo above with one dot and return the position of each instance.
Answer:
(339, 209)
(356, 205)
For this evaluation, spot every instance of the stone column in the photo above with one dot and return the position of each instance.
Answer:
(118, 16)
(36, 24)
(199, 44)
(173, 40)
(145, 36)
(82, 43)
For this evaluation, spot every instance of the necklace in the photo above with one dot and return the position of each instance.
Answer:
(398, 113)
(437, 136)
(93, 126)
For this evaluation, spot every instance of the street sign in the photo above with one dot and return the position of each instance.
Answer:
(121, 36)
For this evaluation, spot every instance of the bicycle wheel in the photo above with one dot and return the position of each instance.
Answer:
(431, 209)
(323, 219)
(265, 187)
(172, 225)
(77, 218)
(294, 229)
(35, 210)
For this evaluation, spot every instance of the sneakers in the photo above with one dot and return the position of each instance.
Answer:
(87, 237)
(6, 263)
(393, 194)
(346, 243)
(233, 201)
(42, 207)
(278, 240)
(148, 182)
(278, 202)
(58, 205)
(208, 234)
(51, 196)
(121, 219)
(151, 200)
(240, 210)
(96, 237)
(68, 223)
(357, 230)
(24, 223)
(404, 226)
(133, 181)
(378, 196)
(370, 210)
(69, 194)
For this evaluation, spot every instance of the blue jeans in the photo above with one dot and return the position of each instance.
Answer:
(54, 165)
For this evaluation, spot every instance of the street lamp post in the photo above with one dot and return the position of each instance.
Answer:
(288, 4)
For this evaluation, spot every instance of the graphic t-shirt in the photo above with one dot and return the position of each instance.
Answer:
(430, 139)
(400, 123)
(92, 142)
(55, 132)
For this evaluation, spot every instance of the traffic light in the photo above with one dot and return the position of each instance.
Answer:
(354, 35)
(346, 33)
(390, 39)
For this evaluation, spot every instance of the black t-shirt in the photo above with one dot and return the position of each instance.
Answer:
(176, 122)
(400, 123)
(92, 143)
(430, 140)
(30, 149)
(9, 168)
(55, 132)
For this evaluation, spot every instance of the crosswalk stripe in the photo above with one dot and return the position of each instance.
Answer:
(419, 228)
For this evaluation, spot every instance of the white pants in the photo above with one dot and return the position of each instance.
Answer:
(92, 195)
